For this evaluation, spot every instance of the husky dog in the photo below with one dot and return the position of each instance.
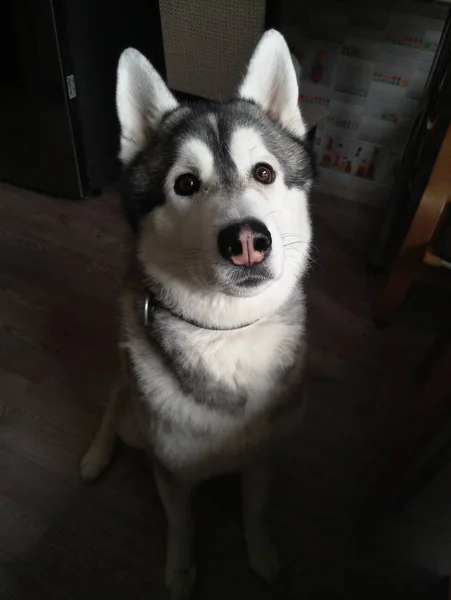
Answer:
(213, 315)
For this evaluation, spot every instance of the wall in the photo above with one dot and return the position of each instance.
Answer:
(365, 67)
(207, 43)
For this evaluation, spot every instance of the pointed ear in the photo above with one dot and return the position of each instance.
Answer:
(271, 82)
(142, 98)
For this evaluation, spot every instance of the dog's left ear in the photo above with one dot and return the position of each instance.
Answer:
(271, 82)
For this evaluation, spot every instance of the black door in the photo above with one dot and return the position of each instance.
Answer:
(36, 139)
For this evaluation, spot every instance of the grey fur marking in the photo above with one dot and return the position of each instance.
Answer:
(143, 178)
(195, 383)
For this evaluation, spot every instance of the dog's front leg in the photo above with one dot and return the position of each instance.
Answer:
(180, 573)
(263, 556)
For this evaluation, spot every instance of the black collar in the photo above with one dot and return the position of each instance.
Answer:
(151, 303)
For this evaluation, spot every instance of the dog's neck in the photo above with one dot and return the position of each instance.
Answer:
(152, 303)
(152, 295)
(149, 300)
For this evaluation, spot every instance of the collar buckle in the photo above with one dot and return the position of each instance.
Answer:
(149, 307)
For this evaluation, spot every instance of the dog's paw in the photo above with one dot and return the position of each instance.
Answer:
(180, 583)
(263, 555)
(94, 462)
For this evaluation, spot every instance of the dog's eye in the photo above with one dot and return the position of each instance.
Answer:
(263, 173)
(186, 184)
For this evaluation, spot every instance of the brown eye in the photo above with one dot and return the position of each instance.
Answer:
(186, 185)
(263, 173)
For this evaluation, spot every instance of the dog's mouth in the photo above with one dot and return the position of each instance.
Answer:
(257, 276)
(251, 281)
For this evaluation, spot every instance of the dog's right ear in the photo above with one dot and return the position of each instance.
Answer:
(142, 98)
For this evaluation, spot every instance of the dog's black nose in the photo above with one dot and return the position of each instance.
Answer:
(245, 243)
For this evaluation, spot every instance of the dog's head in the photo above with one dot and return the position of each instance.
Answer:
(217, 192)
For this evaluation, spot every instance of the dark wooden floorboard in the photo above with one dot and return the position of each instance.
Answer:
(60, 269)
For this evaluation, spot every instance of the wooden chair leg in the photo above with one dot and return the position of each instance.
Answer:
(401, 278)
(392, 298)
(434, 199)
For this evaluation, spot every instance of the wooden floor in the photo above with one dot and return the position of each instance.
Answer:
(60, 268)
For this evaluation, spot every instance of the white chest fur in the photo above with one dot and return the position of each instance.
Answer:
(190, 436)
